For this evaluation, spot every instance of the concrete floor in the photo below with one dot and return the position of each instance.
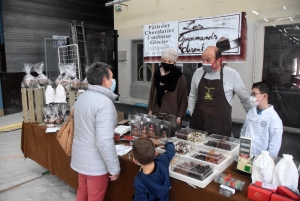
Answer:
(22, 179)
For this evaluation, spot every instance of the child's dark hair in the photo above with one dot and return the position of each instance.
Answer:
(264, 87)
(143, 151)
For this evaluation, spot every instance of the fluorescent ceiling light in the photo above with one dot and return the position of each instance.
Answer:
(291, 18)
(285, 34)
(266, 20)
(290, 38)
(295, 38)
(284, 7)
(284, 30)
(255, 12)
(274, 25)
(280, 30)
(111, 3)
(297, 27)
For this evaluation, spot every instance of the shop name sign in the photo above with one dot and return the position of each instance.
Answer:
(158, 37)
(191, 37)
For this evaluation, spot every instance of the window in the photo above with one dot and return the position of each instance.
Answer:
(281, 68)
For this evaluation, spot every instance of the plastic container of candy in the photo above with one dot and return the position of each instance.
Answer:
(183, 147)
(210, 157)
(192, 169)
(227, 180)
(229, 146)
(196, 136)
(220, 158)
(224, 138)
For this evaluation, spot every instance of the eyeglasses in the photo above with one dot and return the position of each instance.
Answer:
(254, 94)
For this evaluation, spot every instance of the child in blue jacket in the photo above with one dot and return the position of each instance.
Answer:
(153, 181)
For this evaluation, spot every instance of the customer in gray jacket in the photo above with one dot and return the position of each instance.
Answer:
(94, 156)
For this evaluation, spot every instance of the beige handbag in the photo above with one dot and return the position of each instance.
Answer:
(66, 133)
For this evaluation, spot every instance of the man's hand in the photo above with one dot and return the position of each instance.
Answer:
(114, 177)
(179, 121)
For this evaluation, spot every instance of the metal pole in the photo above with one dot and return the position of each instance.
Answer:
(116, 60)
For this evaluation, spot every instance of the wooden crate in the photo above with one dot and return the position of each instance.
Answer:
(72, 97)
(33, 101)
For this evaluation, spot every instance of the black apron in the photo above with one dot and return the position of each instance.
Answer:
(212, 112)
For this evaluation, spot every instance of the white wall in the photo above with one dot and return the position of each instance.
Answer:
(130, 20)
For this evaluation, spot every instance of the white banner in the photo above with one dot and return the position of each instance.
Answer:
(191, 37)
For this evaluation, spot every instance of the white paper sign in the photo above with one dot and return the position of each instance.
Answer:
(191, 37)
(197, 34)
(62, 40)
(159, 36)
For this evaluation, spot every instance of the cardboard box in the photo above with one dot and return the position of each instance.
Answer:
(282, 190)
(258, 194)
(121, 118)
(277, 197)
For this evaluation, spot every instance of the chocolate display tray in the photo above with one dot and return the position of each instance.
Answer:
(217, 169)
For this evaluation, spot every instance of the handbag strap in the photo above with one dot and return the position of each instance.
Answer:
(72, 113)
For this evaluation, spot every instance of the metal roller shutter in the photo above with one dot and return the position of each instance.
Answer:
(27, 22)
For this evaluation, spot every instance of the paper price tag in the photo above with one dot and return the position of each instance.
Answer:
(228, 188)
(51, 130)
(269, 186)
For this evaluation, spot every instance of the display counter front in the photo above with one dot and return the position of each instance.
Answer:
(44, 149)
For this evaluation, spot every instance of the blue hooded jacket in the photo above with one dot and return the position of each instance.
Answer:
(155, 186)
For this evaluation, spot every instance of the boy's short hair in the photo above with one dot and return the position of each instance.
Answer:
(143, 151)
(264, 87)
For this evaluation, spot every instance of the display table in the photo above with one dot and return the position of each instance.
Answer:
(45, 150)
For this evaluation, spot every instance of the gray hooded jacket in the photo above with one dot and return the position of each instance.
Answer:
(95, 118)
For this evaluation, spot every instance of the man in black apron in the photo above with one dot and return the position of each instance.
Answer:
(212, 112)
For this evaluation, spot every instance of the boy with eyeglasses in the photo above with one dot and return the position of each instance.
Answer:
(262, 124)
